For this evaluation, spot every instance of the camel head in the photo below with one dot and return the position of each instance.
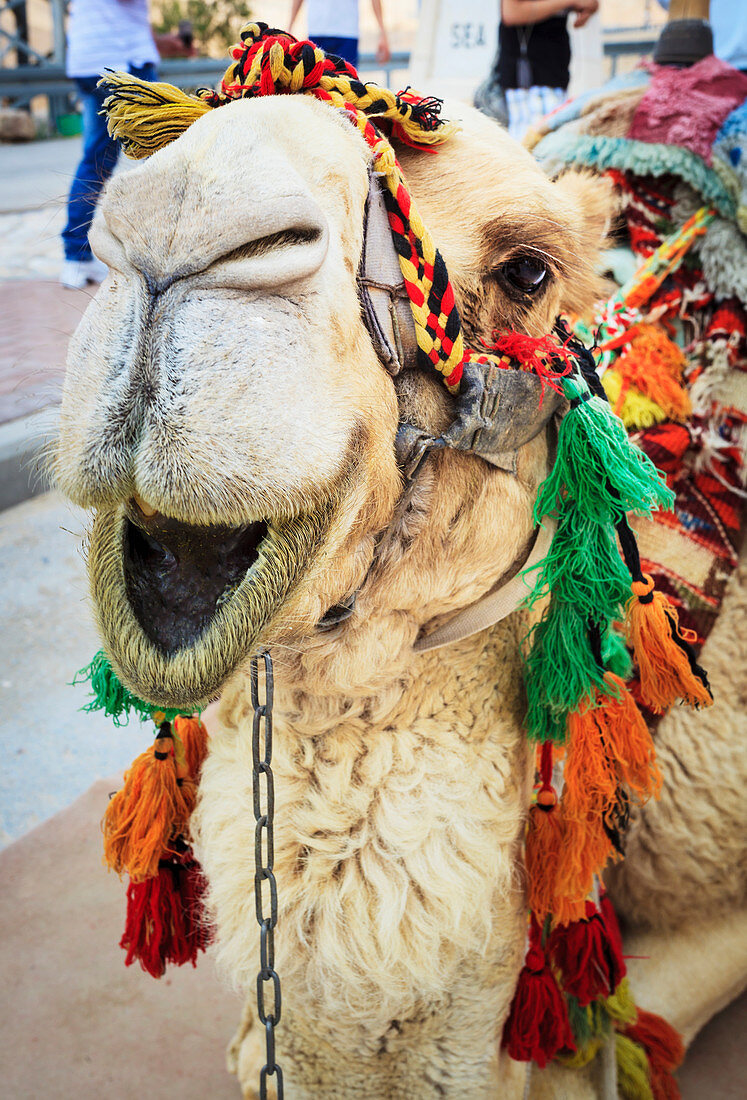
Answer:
(226, 416)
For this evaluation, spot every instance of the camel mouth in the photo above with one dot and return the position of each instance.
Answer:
(177, 575)
(181, 607)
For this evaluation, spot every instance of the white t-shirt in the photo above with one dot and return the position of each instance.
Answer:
(729, 24)
(334, 18)
(108, 34)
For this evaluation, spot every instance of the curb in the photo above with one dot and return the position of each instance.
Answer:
(20, 444)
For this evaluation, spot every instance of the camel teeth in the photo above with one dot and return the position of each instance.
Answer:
(147, 509)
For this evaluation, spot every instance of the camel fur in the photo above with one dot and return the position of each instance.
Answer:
(223, 383)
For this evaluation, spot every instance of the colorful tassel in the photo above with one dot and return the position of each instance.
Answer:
(620, 1007)
(664, 1049)
(628, 739)
(146, 116)
(634, 409)
(588, 956)
(665, 658)
(537, 1026)
(654, 365)
(141, 819)
(165, 917)
(194, 737)
(111, 696)
(544, 841)
(633, 1071)
(597, 467)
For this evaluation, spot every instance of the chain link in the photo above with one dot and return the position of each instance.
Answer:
(264, 857)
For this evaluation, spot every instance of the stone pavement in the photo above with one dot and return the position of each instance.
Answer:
(50, 753)
(37, 315)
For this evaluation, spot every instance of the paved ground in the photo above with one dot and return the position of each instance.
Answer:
(37, 315)
(50, 753)
(38, 319)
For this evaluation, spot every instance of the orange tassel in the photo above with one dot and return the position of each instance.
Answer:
(654, 365)
(194, 737)
(141, 818)
(666, 662)
(544, 843)
(628, 738)
(590, 792)
(544, 839)
(586, 849)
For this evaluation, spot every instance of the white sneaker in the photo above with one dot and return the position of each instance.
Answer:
(76, 273)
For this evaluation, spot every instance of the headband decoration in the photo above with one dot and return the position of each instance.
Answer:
(580, 713)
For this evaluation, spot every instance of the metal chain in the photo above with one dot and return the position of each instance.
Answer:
(264, 794)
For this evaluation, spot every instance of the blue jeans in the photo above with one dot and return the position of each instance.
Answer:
(346, 48)
(99, 157)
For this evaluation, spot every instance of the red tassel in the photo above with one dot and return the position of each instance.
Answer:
(537, 1026)
(542, 355)
(664, 1049)
(165, 917)
(588, 956)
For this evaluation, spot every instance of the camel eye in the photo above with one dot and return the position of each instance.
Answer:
(525, 273)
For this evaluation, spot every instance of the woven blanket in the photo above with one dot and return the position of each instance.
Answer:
(672, 141)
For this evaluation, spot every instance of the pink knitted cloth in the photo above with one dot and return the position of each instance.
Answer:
(688, 106)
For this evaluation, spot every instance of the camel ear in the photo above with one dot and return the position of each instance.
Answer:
(591, 203)
(594, 198)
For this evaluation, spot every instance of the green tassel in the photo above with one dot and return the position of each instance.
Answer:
(598, 476)
(599, 1021)
(616, 656)
(561, 670)
(580, 1021)
(111, 696)
(584, 568)
(598, 469)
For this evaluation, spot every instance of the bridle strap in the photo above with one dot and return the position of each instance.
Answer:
(499, 410)
(502, 600)
(385, 304)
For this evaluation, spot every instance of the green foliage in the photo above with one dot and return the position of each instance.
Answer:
(215, 23)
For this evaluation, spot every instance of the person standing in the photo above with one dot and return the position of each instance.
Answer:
(333, 26)
(534, 56)
(102, 34)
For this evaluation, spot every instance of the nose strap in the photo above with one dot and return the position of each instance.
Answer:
(384, 301)
(498, 411)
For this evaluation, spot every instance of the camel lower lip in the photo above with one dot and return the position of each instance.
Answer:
(177, 575)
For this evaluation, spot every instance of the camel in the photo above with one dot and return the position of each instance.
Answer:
(225, 413)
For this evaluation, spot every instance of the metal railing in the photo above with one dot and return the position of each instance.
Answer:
(20, 85)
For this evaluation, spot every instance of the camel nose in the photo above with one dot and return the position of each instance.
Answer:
(266, 241)
(289, 242)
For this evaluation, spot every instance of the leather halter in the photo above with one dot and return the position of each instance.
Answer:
(498, 411)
